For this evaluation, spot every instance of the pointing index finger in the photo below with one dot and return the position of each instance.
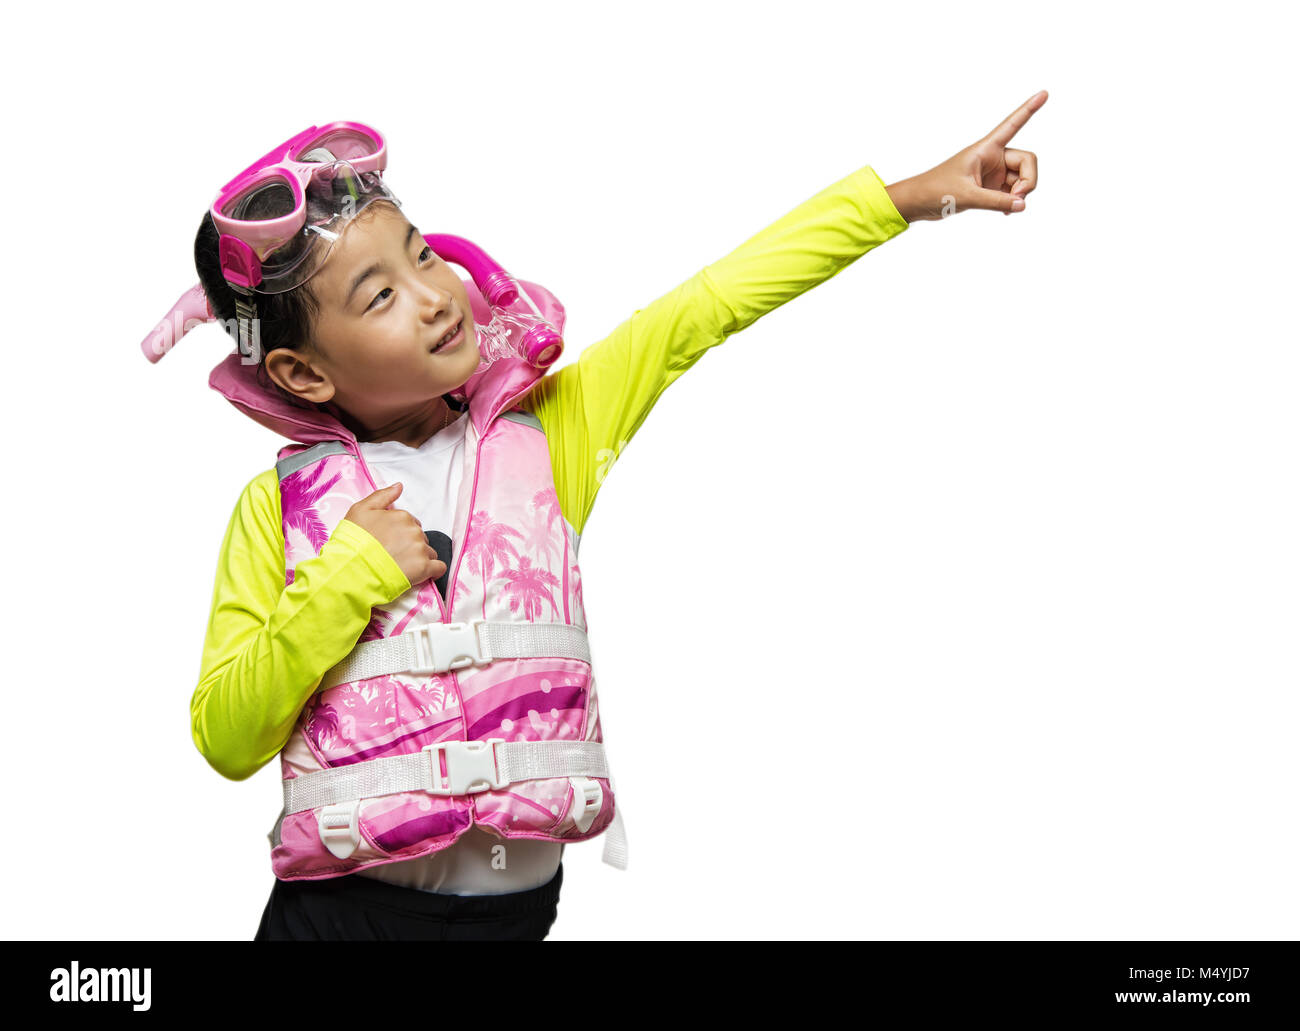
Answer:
(1016, 120)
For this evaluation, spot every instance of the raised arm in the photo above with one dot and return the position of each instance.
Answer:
(593, 407)
(268, 645)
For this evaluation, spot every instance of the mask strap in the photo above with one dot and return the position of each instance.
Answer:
(249, 333)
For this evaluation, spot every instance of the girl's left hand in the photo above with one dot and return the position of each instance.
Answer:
(987, 175)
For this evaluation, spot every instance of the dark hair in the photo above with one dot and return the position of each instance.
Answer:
(284, 320)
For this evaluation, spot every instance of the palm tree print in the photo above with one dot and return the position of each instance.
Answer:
(375, 628)
(487, 548)
(538, 540)
(528, 586)
(577, 592)
(435, 697)
(299, 492)
(547, 504)
(323, 722)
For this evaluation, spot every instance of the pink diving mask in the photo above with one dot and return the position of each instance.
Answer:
(279, 217)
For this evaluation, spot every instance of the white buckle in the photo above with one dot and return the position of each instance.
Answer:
(471, 766)
(339, 829)
(440, 647)
(587, 800)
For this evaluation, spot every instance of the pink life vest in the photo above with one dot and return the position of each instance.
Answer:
(481, 709)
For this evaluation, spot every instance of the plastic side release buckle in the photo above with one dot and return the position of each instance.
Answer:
(339, 831)
(440, 647)
(471, 766)
(587, 800)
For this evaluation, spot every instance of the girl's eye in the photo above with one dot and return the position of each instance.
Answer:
(428, 251)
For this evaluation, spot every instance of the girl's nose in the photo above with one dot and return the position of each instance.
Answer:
(434, 304)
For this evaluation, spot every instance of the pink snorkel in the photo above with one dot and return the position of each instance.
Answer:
(190, 311)
(309, 174)
(541, 344)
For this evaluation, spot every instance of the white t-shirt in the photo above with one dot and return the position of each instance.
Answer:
(479, 863)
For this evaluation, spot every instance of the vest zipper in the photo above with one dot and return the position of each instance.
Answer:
(460, 554)
(473, 493)
(469, 519)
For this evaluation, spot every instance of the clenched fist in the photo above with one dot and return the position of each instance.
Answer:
(400, 534)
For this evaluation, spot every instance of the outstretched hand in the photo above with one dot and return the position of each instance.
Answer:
(987, 175)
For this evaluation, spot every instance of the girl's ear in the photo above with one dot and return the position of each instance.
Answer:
(299, 374)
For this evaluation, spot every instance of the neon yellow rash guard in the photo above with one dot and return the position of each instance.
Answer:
(268, 645)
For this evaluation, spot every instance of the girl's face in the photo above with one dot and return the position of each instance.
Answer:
(385, 300)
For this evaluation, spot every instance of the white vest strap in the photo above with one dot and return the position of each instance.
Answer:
(470, 767)
(615, 853)
(439, 647)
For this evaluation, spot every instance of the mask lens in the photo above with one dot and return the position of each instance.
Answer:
(269, 199)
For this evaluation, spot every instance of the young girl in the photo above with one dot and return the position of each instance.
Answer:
(397, 610)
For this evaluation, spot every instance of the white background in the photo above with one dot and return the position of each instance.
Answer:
(955, 599)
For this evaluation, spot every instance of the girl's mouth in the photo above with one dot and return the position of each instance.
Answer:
(452, 339)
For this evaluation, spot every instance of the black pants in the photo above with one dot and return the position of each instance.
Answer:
(352, 908)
